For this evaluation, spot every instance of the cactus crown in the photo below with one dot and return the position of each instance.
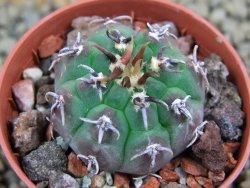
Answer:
(127, 100)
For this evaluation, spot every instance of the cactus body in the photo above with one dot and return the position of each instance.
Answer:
(122, 98)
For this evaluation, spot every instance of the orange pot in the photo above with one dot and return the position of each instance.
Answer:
(206, 36)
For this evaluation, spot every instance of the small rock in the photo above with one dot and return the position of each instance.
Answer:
(45, 64)
(62, 180)
(228, 117)
(173, 185)
(209, 148)
(42, 184)
(44, 80)
(76, 166)
(140, 26)
(191, 182)
(231, 147)
(50, 45)
(216, 177)
(172, 29)
(185, 44)
(33, 73)
(82, 22)
(72, 35)
(28, 130)
(173, 164)
(169, 175)
(182, 174)
(231, 162)
(228, 112)
(40, 96)
(121, 180)
(39, 163)
(151, 182)
(24, 94)
(97, 181)
(205, 182)
(192, 167)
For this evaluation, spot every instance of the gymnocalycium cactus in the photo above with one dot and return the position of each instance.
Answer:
(127, 100)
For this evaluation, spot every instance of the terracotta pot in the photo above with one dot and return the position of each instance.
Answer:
(205, 35)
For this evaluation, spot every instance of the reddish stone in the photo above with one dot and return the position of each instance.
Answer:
(231, 147)
(169, 175)
(49, 133)
(173, 164)
(191, 182)
(205, 182)
(192, 167)
(140, 26)
(24, 95)
(76, 166)
(231, 162)
(50, 45)
(185, 44)
(121, 180)
(209, 148)
(151, 182)
(216, 177)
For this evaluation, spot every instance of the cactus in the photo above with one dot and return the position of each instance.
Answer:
(127, 100)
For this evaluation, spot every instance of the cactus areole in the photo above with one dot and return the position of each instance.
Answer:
(126, 100)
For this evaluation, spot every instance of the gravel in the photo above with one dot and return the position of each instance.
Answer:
(231, 17)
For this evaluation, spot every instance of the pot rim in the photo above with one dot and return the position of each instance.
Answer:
(6, 144)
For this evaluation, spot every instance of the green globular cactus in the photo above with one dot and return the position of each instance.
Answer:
(126, 100)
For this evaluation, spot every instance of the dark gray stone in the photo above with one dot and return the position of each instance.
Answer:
(59, 179)
(40, 96)
(39, 163)
(45, 64)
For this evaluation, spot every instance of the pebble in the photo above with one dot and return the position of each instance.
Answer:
(24, 94)
(58, 179)
(151, 182)
(39, 163)
(82, 23)
(140, 26)
(209, 148)
(97, 181)
(185, 43)
(76, 166)
(29, 130)
(41, 92)
(44, 65)
(121, 180)
(172, 29)
(173, 185)
(169, 175)
(182, 174)
(205, 182)
(228, 117)
(44, 80)
(43, 184)
(192, 183)
(231, 147)
(216, 177)
(192, 167)
(50, 45)
(33, 73)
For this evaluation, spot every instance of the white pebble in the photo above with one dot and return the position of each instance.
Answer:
(33, 73)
